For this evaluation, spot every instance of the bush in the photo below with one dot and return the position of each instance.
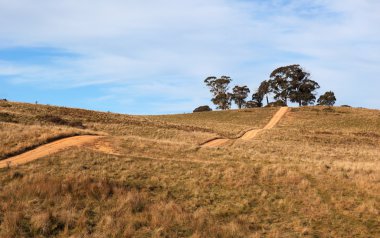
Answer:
(202, 109)
(328, 109)
(345, 106)
(53, 119)
(77, 124)
(60, 121)
(278, 103)
(4, 103)
(6, 117)
(253, 104)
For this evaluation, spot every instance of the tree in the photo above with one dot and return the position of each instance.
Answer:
(294, 84)
(279, 83)
(257, 100)
(306, 93)
(302, 88)
(239, 94)
(222, 100)
(219, 88)
(263, 90)
(327, 99)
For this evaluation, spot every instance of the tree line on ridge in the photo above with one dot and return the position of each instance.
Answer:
(285, 84)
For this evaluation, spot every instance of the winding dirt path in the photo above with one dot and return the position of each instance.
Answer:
(252, 133)
(66, 143)
(48, 149)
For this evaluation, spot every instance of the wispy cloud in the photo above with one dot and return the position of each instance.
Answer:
(164, 49)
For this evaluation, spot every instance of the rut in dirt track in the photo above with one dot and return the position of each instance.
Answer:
(48, 149)
(252, 133)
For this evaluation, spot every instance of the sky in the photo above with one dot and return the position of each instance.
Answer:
(152, 56)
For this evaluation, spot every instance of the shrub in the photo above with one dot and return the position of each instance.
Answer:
(77, 124)
(6, 117)
(53, 119)
(202, 109)
(328, 109)
(278, 103)
(4, 103)
(60, 121)
(252, 104)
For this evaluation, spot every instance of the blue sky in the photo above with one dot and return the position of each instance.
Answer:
(151, 57)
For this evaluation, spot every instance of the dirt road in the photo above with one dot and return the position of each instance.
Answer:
(48, 149)
(252, 133)
(66, 143)
(276, 118)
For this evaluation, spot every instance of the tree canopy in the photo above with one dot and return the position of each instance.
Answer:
(239, 94)
(219, 88)
(327, 99)
(285, 84)
(293, 83)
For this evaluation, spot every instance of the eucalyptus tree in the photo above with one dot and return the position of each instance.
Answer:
(293, 83)
(327, 99)
(219, 88)
(239, 95)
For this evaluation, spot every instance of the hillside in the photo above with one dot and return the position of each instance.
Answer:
(315, 174)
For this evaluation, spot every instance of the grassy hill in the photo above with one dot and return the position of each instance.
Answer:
(316, 174)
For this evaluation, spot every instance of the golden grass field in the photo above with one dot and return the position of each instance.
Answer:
(316, 174)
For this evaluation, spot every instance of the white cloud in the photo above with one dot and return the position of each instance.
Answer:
(146, 43)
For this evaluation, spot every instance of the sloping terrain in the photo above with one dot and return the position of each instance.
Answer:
(48, 149)
(250, 134)
(18, 138)
(172, 128)
(66, 143)
(315, 174)
(225, 123)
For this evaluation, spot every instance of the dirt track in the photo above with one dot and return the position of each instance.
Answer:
(252, 133)
(48, 149)
(276, 118)
(63, 144)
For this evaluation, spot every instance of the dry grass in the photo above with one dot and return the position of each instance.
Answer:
(316, 174)
(186, 128)
(15, 138)
(226, 123)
